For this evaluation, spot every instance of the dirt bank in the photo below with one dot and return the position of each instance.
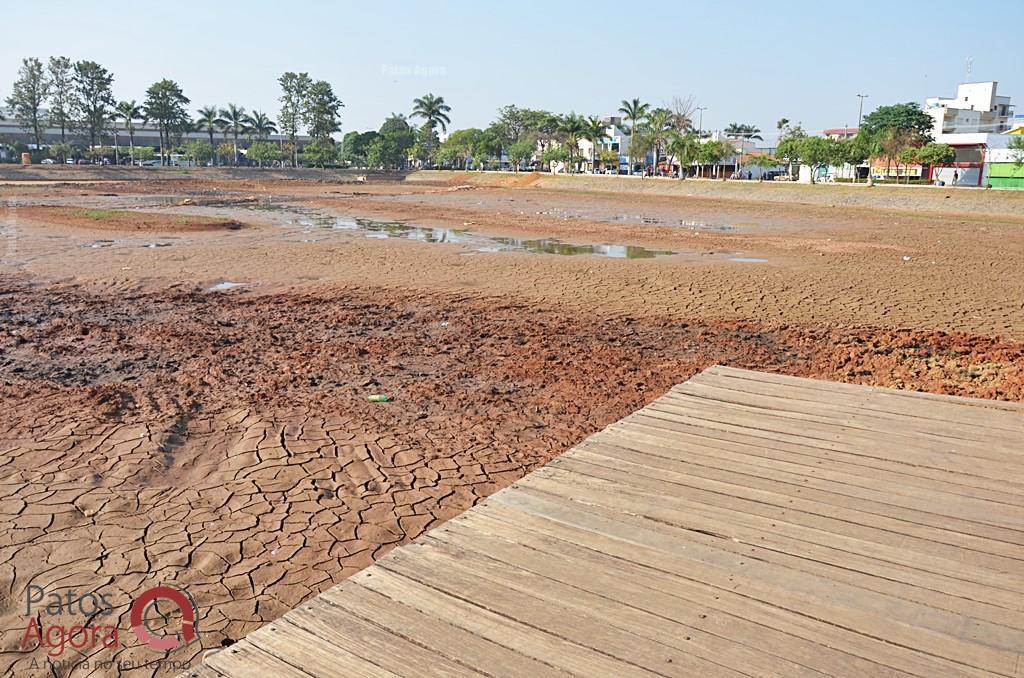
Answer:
(899, 198)
(126, 220)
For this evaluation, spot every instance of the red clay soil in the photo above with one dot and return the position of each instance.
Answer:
(125, 220)
(223, 442)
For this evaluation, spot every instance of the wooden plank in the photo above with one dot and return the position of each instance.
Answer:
(785, 398)
(373, 644)
(246, 660)
(203, 671)
(317, 656)
(602, 537)
(894, 431)
(545, 604)
(630, 585)
(858, 609)
(544, 647)
(437, 635)
(901, 445)
(954, 403)
(705, 473)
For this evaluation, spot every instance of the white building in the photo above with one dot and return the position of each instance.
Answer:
(977, 108)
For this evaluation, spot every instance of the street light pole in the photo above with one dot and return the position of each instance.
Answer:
(700, 120)
(860, 113)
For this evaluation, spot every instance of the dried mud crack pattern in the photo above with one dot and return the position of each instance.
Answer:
(223, 443)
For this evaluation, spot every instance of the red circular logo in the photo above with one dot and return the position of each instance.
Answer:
(189, 613)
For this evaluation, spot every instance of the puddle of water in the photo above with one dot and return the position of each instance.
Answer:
(487, 243)
(679, 223)
(749, 260)
(97, 244)
(225, 285)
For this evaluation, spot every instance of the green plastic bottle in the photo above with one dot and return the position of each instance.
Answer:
(378, 398)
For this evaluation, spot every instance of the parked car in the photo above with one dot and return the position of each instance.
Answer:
(47, 161)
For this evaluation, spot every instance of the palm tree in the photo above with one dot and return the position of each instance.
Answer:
(433, 110)
(635, 113)
(594, 132)
(659, 124)
(259, 125)
(684, 147)
(738, 131)
(208, 120)
(234, 121)
(573, 128)
(129, 112)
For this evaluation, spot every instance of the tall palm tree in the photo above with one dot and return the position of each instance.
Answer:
(635, 112)
(207, 121)
(573, 128)
(594, 132)
(259, 125)
(234, 121)
(659, 124)
(129, 112)
(433, 110)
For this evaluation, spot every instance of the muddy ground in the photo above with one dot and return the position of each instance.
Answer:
(190, 406)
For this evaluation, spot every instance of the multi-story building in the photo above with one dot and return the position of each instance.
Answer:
(977, 108)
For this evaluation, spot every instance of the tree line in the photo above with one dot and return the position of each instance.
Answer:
(77, 98)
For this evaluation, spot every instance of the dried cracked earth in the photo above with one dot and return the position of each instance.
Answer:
(154, 432)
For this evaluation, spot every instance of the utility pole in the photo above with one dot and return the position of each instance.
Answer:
(860, 113)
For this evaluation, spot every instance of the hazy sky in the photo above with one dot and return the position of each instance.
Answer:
(748, 62)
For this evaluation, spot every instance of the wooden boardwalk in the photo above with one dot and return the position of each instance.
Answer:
(743, 524)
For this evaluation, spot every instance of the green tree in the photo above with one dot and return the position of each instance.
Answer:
(684, 147)
(906, 117)
(737, 131)
(355, 146)
(572, 128)
(322, 110)
(28, 96)
(95, 98)
(258, 125)
(434, 113)
(233, 121)
(201, 152)
(789, 143)
(128, 112)
(553, 154)
(520, 151)
(634, 112)
(63, 100)
(712, 153)
(594, 132)
(321, 152)
(433, 110)
(264, 153)
(165, 105)
(208, 121)
(658, 127)
(1016, 147)
(815, 152)
(762, 162)
(144, 154)
(61, 150)
(294, 96)
(936, 155)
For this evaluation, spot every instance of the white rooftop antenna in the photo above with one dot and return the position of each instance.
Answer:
(970, 62)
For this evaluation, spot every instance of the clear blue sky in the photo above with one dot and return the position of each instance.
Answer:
(748, 62)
